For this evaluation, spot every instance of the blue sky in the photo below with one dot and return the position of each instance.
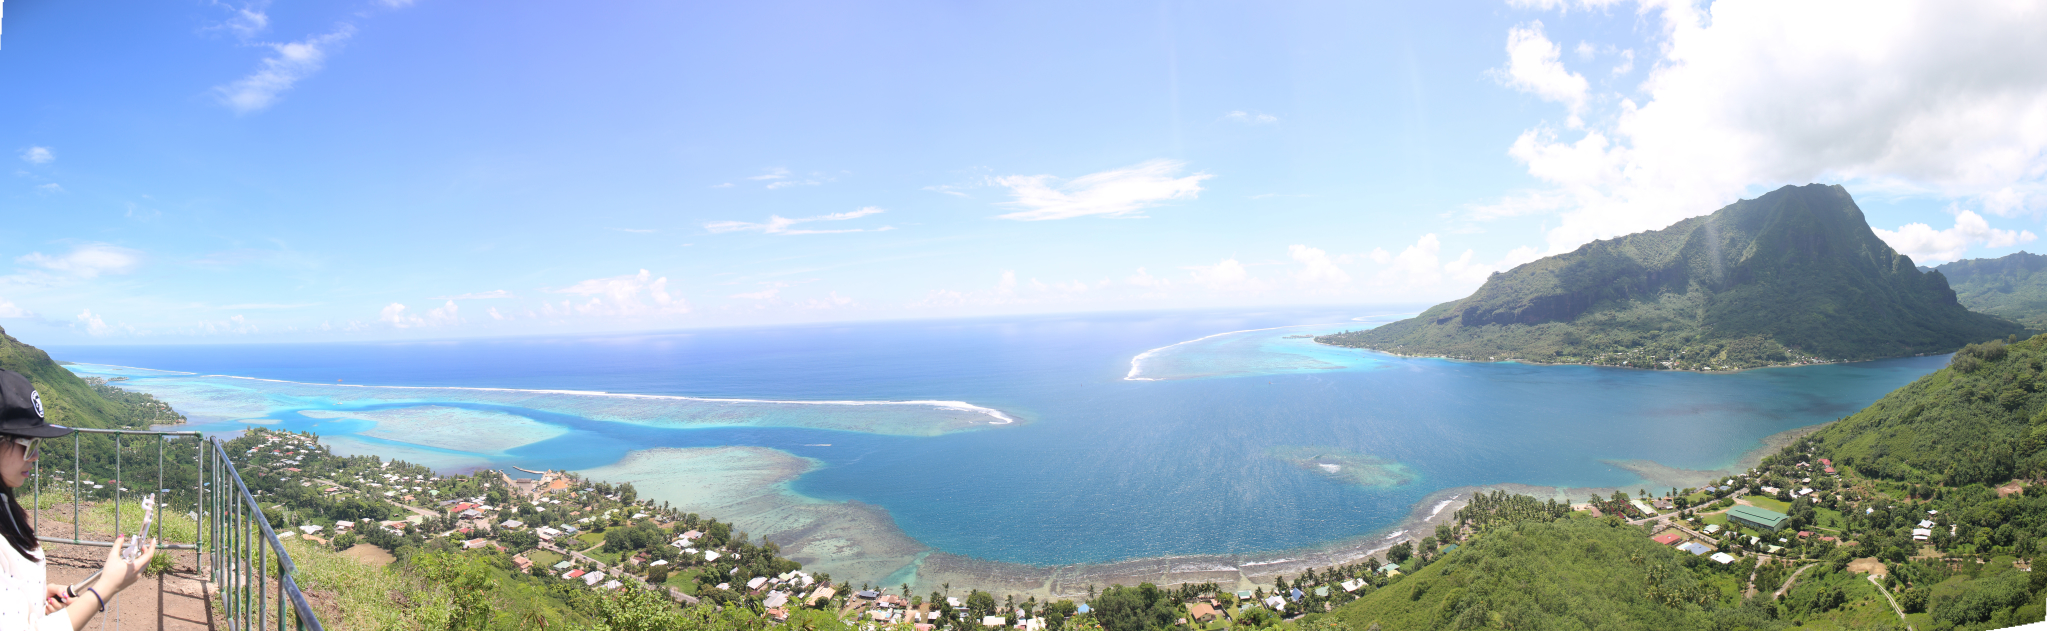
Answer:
(214, 172)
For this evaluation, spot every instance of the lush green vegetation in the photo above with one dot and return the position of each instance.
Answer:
(1955, 455)
(74, 402)
(1979, 421)
(1569, 574)
(1795, 276)
(2012, 287)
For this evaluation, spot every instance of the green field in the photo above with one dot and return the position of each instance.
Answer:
(589, 539)
(1766, 502)
(543, 558)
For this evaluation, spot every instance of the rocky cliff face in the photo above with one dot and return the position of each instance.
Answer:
(1796, 272)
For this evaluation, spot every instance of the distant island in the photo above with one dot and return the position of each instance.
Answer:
(1793, 277)
(2011, 287)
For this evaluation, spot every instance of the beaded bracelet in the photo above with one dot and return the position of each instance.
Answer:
(96, 596)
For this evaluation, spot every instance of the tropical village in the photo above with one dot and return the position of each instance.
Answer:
(1841, 529)
(1922, 510)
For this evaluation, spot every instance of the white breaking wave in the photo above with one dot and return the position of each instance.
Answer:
(1000, 418)
(167, 372)
(1395, 534)
(1269, 562)
(1440, 506)
(1137, 363)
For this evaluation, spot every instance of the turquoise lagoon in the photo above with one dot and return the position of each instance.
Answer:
(1042, 440)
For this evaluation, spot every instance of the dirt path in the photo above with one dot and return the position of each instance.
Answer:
(1894, 603)
(1789, 580)
(176, 600)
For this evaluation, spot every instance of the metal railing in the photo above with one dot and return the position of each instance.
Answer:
(232, 539)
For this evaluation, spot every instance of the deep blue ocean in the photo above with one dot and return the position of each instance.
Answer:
(1205, 459)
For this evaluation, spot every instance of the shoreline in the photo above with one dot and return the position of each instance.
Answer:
(1530, 362)
(855, 541)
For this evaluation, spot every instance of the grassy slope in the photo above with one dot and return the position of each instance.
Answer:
(1572, 574)
(2012, 287)
(67, 400)
(1798, 268)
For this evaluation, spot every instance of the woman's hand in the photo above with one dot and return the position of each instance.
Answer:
(58, 597)
(119, 572)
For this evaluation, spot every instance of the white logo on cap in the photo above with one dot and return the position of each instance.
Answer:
(36, 398)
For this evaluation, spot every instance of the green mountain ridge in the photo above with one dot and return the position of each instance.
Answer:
(74, 402)
(1794, 276)
(2012, 287)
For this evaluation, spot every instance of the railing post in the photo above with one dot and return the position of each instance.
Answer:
(77, 483)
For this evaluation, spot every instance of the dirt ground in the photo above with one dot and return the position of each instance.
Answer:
(176, 599)
(370, 554)
(1870, 566)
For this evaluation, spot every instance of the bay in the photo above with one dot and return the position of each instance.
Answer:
(1136, 435)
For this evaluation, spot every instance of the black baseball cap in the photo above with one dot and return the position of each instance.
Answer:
(21, 409)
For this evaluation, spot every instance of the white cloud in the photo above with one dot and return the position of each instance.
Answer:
(478, 295)
(1533, 67)
(1560, 4)
(236, 325)
(288, 64)
(396, 315)
(1924, 244)
(949, 189)
(1317, 270)
(1114, 193)
(37, 155)
(271, 305)
(1008, 291)
(1251, 117)
(1522, 203)
(1145, 279)
(637, 230)
(777, 224)
(1421, 265)
(49, 189)
(1907, 98)
(249, 20)
(766, 293)
(628, 295)
(831, 301)
(1228, 274)
(87, 261)
(94, 326)
(9, 310)
(777, 173)
(494, 315)
(1627, 63)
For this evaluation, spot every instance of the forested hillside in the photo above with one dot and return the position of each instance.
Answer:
(1936, 501)
(1791, 277)
(1981, 420)
(71, 401)
(2011, 287)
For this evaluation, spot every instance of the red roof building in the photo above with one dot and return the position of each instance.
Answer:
(1669, 538)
